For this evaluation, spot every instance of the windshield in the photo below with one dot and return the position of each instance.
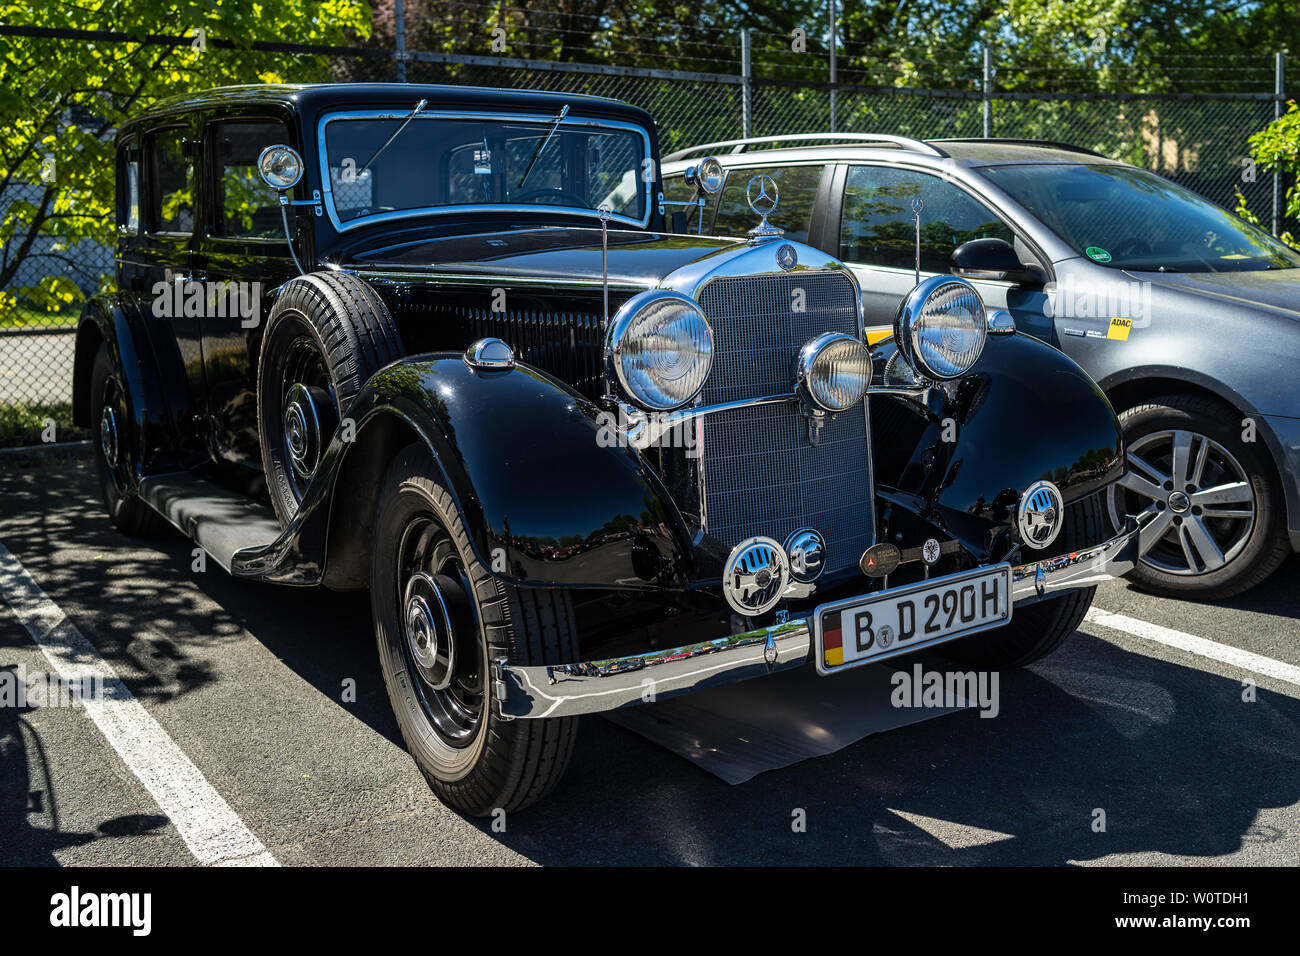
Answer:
(1129, 218)
(444, 163)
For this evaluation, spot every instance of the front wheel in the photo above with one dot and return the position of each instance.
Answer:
(440, 621)
(1037, 630)
(1208, 503)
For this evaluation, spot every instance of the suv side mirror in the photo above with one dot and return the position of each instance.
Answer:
(992, 259)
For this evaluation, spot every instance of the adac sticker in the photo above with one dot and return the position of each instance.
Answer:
(1119, 329)
(1097, 254)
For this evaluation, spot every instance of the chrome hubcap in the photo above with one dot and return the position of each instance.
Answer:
(108, 436)
(1193, 500)
(429, 632)
(302, 430)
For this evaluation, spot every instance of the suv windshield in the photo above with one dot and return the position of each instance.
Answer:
(1132, 219)
(442, 163)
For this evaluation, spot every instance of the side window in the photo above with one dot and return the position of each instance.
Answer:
(796, 187)
(676, 189)
(128, 188)
(877, 227)
(171, 189)
(244, 207)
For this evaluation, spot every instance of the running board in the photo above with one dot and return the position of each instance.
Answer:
(220, 521)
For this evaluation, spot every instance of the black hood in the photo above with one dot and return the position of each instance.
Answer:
(635, 258)
(1275, 290)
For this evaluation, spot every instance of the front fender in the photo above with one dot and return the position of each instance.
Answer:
(1025, 412)
(546, 498)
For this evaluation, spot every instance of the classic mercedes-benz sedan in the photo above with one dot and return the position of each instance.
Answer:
(446, 345)
(1187, 316)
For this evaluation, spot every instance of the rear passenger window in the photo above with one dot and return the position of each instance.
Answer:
(128, 188)
(244, 207)
(171, 194)
(796, 188)
(878, 229)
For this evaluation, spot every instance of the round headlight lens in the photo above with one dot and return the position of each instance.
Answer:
(280, 167)
(833, 371)
(941, 327)
(706, 175)
(661, 349)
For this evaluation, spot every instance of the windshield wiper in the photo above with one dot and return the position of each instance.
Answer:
(564, 111)
(397, 132)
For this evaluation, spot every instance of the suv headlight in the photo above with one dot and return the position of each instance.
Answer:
(660, 348)
(941, 327)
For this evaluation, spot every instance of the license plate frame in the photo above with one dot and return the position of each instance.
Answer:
(851, 608)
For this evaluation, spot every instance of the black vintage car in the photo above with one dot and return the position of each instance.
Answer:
(580, 460)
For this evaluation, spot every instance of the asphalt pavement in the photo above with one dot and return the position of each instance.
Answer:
(1172, 740)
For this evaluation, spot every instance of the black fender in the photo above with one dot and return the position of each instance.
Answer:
(1025, 412)
(547, 498)
(156, 391)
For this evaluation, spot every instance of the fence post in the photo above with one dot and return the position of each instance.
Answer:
(399, 38)
(988, 92)
(1279, 93)
(834, 44)
(746, 86)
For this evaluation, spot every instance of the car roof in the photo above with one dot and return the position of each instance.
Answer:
(315, 97)
(865, 147)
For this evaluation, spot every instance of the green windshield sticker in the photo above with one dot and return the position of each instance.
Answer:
(1097, 254)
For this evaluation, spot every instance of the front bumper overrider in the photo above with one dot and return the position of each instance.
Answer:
(595, 686)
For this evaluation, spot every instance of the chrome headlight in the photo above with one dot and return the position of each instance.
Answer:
(832, 371)
(706, 175)
(660, 348)
(941, 327)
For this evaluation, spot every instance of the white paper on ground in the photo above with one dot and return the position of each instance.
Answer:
(741, 730)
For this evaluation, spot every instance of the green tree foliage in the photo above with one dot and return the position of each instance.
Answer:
(1276, 148)
(62, 100)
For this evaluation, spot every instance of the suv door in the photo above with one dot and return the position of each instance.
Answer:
(877, 240)
(241, 255)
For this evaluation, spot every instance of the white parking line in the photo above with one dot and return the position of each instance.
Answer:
(213, 831)
(1223, 653)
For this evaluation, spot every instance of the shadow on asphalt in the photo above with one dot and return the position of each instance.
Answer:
(1172, 755)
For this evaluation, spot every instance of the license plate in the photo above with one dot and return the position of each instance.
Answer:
(859, 630)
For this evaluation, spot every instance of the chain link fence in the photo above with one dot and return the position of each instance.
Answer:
(47, 271)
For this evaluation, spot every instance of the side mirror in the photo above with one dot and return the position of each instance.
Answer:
(992, 259)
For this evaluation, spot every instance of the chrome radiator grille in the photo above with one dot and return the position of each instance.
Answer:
(761, 474)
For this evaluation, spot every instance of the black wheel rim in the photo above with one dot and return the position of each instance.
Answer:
(440, 632)
(108, 438)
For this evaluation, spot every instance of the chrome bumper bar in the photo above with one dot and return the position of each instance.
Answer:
(596, 686)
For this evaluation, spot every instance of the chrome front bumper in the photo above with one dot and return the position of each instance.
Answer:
(596, 686)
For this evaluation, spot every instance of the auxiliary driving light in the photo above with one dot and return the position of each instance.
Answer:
(941, 327)
(832, 371)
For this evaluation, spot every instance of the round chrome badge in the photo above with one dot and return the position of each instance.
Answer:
(1041, 514)
(786, 257)
(755, 576)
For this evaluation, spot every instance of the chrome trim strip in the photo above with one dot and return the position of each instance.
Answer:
(327, 186)
(494, 279)
(600, 685)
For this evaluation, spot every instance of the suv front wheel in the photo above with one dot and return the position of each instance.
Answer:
(1207, 501)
